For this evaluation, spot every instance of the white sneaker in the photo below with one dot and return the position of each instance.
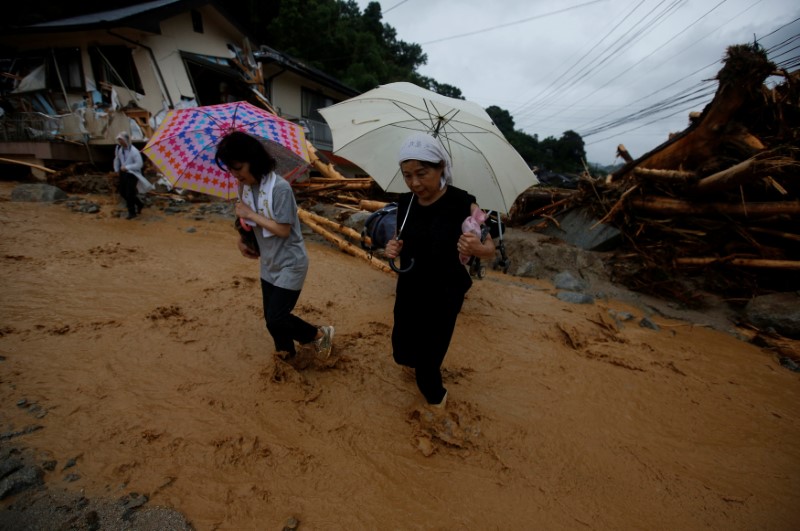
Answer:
(325, 343)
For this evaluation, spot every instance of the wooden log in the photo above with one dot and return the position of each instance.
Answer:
(327, 180)
(325, 168)
(334, 184)
(539, 195)
(348, 207)
(370, 205)
(342, 244)
(622, 151)
(307, 187)
(668, 206)
(347, 197)
(665, 174)
(738, 174)
(329, 223)
(30, 164)
(776, 233)
(741, 262)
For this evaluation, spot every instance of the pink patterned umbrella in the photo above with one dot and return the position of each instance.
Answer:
(185, 143)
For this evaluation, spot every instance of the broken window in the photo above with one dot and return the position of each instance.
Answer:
(64, 70)
(115, 65)
(57, 69)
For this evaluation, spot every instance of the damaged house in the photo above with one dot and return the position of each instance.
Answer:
(70, 86)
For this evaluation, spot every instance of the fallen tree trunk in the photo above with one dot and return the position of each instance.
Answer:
(342, 244)
(668, 206)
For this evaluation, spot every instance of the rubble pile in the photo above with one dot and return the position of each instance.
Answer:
(716, 206)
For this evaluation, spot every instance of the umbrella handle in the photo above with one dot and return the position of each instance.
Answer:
(396, 269)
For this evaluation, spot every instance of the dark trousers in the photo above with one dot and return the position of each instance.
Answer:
(128, 191)
(284, 327)
(423, 329)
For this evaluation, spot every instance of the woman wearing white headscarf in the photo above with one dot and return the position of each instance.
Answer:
(432, 286)
(128, 165)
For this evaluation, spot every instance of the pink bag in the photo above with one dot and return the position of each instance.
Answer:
(472, 224)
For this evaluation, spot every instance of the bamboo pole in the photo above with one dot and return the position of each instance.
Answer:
(342, 244)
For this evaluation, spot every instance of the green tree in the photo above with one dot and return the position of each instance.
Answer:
(571, 151)
(502, 119)
(334, 36)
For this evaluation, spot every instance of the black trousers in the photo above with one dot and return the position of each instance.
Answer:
(128, 191)
(284, 327)
(423, 329)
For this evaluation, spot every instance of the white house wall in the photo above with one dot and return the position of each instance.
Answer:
(287, 94)
(178, 35)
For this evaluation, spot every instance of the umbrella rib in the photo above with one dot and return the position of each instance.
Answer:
(492, 175)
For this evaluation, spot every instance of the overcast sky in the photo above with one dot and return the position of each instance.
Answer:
(580, 64)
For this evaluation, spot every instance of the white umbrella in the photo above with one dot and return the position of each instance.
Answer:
(370, 129)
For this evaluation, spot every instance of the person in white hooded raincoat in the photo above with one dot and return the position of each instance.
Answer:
(128, 165)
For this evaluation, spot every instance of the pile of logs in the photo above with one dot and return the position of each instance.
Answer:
(345, 238)
(719, 202)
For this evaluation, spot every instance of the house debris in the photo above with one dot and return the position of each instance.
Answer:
(715, 206)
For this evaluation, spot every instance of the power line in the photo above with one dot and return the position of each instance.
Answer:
(686, 97)
(396, 5)
(624, 40)
(576, 63)
(678, 53)
(484, 30)
(698, 93)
